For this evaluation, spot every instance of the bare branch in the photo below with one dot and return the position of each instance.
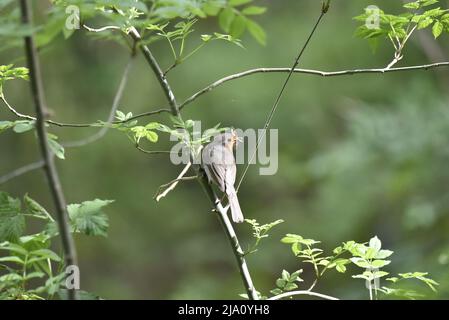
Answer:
(118, 97)
(152, 152)
(50, 168)
(232, 237)
(21, 171)
(308, 72)
(106, 28)
(157, 71)
(17, 113)
(302, 293)
(324, 10)
(172, 184)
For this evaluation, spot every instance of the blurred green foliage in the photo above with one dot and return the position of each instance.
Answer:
(359, 156)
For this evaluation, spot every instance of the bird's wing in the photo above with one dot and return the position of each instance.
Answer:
(213, 164)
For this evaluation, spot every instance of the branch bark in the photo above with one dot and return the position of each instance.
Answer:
(302, 293)
(320, 73)
(51, 172)
(157, 71)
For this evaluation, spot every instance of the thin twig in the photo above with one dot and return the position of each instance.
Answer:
(106, 28)
(151, 151)
(117, 98)
(281, 92)
(243, 74)
(320, 73)
(80, 125)
(145, 114)
(68, 244)
(21, 171)
(157, 71)
(302, 293)
(172, 184)
(14, 111)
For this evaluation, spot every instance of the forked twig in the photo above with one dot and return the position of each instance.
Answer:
(172, 184)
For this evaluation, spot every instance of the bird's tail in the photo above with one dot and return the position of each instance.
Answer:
(236, 212)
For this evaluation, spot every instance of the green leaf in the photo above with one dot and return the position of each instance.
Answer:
(55, 147)
(285, 275)
(437, 29)
(152, 136)
(35, 208)
(253, 10)
(225, 19)
(238, 26)
(290, 286)
(23, 126)
(291, 238)
(212, 9)
(256, 31)
(424, 23)
(5, 125)
(281, 283)
(12, 221)
(236, 3)
(380, 263)
(13, 247)
(412, 5)
(340, 268)
(382, 254)
(46, 254)
(89, 218)
(375, 243)
(12, 259)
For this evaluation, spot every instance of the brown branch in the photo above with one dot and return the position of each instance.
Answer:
(51, 172)
(243, 74)
(80, 125)
(157, 71)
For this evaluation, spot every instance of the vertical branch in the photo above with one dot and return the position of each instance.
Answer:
(232, 237)
(158, 72)
(49, 165)
(222, 214)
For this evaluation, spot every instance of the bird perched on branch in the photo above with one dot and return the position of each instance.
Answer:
(220, 167)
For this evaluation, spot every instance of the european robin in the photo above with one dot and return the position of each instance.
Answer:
(220, 167)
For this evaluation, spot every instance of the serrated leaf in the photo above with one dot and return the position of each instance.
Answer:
(89, 218)
(12, 221)
(35, 208)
